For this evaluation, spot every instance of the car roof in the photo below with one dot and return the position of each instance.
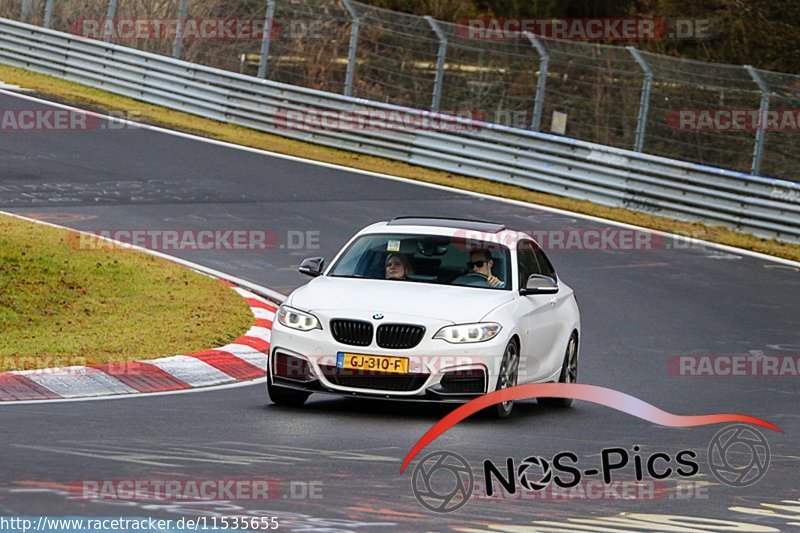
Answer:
(450, 227)
(449, 223)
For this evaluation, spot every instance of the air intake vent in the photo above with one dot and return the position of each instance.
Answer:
(362, 379)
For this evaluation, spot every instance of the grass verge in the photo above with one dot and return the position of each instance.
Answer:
(86, 97)
(65, 301)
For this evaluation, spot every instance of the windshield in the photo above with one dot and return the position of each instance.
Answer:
(426, 259)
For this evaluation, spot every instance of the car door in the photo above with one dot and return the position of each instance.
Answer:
(541, 321)
(563, 309)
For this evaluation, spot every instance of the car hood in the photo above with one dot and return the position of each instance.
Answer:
(358, 297)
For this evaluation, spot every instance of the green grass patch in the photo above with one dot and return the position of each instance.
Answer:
(86, 97)
(66, 301)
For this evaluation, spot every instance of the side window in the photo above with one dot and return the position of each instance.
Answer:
(526, 261)
(545, 266)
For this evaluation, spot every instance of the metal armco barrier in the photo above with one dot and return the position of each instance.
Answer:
(537, 161)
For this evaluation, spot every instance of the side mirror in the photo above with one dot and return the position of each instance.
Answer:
(538, 284)
(312, 266)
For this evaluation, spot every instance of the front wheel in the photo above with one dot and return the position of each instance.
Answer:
(286, 397)
(509, 373)
(569, 373)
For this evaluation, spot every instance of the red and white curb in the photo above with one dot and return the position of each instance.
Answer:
(243, 359)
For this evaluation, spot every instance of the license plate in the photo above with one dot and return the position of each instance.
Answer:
(377, 363)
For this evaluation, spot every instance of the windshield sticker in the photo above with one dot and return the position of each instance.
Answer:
(393, 246)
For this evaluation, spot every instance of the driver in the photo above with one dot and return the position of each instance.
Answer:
(480, 265)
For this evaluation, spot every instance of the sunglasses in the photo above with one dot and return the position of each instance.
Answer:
(479, 264)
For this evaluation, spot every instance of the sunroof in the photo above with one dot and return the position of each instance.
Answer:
(443, 222)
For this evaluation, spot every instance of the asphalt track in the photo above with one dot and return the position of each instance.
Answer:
(638, 308)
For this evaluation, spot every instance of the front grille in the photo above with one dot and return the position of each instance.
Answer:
(399, 336)
(362, 379)
(353, 332)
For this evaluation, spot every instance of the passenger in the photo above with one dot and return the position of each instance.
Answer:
(398, 267)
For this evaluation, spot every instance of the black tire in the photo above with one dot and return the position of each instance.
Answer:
(569, 374)
(286, 397)
(509, 373)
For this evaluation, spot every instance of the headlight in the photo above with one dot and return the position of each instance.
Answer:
(468, 332)
(292, 318)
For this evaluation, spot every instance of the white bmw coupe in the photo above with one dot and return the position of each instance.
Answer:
(427, 309)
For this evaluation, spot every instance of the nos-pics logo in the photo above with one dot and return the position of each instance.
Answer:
(443, 481)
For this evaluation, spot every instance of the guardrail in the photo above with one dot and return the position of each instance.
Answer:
(558, 165)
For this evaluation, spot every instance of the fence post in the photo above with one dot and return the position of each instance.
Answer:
(761, 131)
(644, 102)
(110, 15)
(440, 57)
(48, 13)
(541, 83)
(269, 25)
(352, 48)
(25, 10)
(176, 46)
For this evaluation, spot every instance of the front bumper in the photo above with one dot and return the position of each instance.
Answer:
(429, 395)
(434, 367)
